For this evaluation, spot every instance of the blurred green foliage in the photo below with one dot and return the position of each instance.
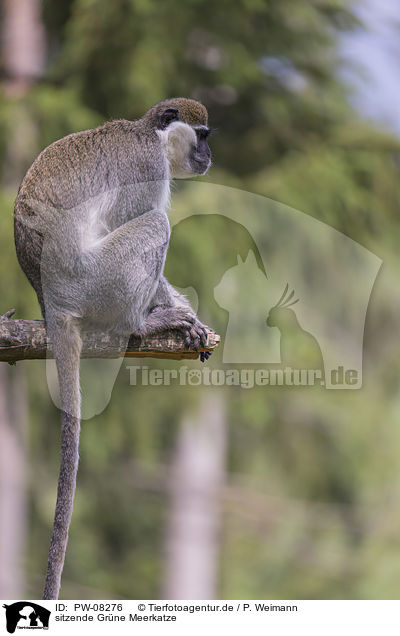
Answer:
(319, 469)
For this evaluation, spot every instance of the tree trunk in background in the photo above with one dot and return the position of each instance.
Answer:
(23, 43)
(198, 475)
(13, 470)
(23, 60)
(23, 57)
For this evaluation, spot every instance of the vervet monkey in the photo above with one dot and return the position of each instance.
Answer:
(91, 234)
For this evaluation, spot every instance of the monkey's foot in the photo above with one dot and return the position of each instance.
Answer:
(194, 332)
(196, 336)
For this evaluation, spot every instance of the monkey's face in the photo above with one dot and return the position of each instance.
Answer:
(185, 144)
(200, 158)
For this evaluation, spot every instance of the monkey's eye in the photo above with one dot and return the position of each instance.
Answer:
(202, 132)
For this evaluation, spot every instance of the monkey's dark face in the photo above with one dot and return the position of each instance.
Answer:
(185, 144)
(200, 156)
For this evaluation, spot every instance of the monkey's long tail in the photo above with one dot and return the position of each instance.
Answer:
(67, 346)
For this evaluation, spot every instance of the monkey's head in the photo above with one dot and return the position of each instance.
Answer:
(182, 125)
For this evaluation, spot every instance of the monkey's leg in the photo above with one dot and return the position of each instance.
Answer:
(121, 272)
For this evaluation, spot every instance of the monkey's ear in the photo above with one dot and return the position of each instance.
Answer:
(169, 115)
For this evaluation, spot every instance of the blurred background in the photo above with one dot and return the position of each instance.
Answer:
(206, 492)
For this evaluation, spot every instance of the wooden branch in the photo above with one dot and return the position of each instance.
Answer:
(27, 340)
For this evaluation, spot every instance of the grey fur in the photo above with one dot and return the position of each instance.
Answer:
(91, 234)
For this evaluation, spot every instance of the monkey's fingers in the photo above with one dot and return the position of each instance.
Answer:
(196, 337)
(184, 324)
(192, 340)
(203, 336)
(188, 339)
